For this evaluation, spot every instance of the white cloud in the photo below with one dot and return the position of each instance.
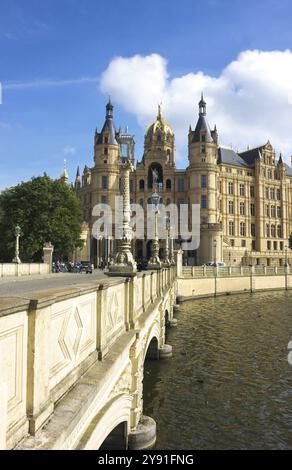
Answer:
(68, 151)
(250, 101)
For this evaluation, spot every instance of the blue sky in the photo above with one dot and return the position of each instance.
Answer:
(53, 53)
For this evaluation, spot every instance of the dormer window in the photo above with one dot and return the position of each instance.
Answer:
(105, 151)
(106, 140)
(203, 138)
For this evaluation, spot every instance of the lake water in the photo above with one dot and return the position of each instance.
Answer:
(229, 383)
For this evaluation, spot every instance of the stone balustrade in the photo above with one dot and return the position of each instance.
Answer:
(23, 269)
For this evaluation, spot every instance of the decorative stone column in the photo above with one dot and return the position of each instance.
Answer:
(124, 263)
(16, 258)
(166, 260)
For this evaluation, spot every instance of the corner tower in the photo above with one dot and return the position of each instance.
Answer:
(204, 184)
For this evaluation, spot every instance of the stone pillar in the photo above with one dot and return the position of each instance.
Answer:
(124, 264)
(48, 253)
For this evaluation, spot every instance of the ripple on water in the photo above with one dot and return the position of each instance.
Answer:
(228, 384)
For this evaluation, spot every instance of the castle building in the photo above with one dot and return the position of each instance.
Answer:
(245, 197)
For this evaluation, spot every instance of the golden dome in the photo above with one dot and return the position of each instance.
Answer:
(160, 124)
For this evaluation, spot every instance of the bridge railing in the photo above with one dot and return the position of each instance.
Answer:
(233, 271)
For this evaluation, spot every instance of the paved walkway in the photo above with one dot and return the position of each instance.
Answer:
(16, 286)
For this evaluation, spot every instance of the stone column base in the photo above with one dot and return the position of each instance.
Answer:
(165, 352)
(176, 307)
(173, 322)
(144, 437)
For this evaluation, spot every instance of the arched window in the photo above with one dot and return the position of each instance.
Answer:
(159, 171)
(141, 185)
(168, 184)
(242, 229)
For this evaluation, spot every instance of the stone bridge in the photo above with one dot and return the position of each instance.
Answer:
(72, 361)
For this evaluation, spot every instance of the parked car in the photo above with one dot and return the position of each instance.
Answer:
(86, 267)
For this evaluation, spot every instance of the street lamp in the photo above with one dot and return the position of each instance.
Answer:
(215, 251)
(16, 258)
(166, 260)
(154, 262)
(286, 252)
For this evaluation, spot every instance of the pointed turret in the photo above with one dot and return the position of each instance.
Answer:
(64, 175)
(78, 178)
(202, 132)
(108, 133)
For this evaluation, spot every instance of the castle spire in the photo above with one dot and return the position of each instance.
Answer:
(159, 114)
(64, 175)
(202, 106)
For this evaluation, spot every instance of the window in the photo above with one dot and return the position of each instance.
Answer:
(273, 211)
(203, 138)
(104, 182)
(272, 193)
(251, 191)
(232, 243)
(267, 193)
(279, 212)
(268, 245)
(228, 170)
(278, 194)
(281, 246)
(103, 199)
(252, 209)
(168, 184)
(279, 231)
(242, 229)
(105, 151)
(243, 243)
(253, 230)
(181, 185)
(253, 244)
(141, 185)
(267, 230)
(242, 208)
(106, 140)
(230, 187)
(204, 201)
(231, 228)
(241, 190)
(275, 245)
(131, 186)
(203, 149)
(273, 231)
(203, 181)
(230, 207)
(267, 210)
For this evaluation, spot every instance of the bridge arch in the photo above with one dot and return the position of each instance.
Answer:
(113, 420)
(152, 342)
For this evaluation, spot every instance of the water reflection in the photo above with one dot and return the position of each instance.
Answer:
(229, 384)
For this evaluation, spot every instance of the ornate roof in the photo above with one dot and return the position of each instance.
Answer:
(159, 124)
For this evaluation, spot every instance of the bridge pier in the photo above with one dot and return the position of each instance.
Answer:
(165, 352)
(144, 437)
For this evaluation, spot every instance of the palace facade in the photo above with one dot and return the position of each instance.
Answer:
(245, 197)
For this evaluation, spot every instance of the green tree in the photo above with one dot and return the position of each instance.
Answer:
(47, 211)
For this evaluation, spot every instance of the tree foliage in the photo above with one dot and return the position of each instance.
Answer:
(47, 211)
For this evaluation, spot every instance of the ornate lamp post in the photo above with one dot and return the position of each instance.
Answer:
(16, 258)
(154, 262)
(124, 263)
(286, 252)
(215, 251)
(166, 261)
